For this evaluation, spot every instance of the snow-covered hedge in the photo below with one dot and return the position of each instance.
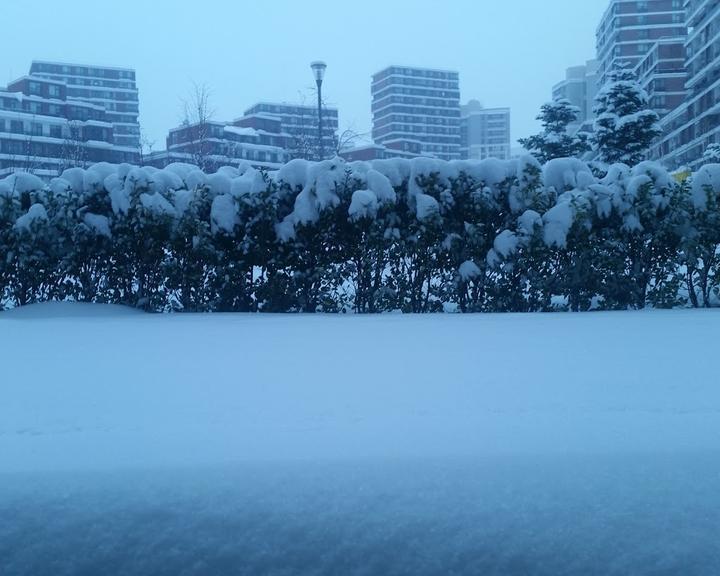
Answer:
(417, 236)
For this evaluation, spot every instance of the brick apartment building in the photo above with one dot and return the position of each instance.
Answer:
(112, 88)
(630, 28)
(695, 124)
(44, 131)
(255, 139)
(300, 124)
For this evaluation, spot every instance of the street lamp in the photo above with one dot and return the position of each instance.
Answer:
(318, 69)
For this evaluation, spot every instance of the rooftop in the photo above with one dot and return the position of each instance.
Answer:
(81, 65)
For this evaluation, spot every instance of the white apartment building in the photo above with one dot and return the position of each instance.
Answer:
(417, 106)
(485, 132)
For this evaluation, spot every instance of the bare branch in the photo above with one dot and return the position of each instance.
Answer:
(198, 112)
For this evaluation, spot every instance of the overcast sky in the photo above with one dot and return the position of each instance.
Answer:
(508, 52)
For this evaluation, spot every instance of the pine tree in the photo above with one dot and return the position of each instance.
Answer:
(556, 141)
(625, 125)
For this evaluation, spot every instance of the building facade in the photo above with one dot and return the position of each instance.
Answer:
(256, 139)
(484, 132)
(663, 75)
(367, 152)
(629, 29)
(695, 124)
(411, 105)
(579, 87)
(114, 89)
(300, 123)
(44, 131)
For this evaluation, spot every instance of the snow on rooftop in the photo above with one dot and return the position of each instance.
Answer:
(251, 112)
(240, 131)
(81, 65)
(40, 80)
(418, 69)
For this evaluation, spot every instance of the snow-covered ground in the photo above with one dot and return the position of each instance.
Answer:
(493, 444)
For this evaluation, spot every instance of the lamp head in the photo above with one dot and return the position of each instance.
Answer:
(318, 69)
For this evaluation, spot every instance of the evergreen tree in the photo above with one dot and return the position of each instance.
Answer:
(711, 154)
(556, 141)
(701, 238)
(625, 125)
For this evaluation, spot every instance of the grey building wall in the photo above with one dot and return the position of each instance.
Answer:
(417, 105)
(580, 87)
(485, 132)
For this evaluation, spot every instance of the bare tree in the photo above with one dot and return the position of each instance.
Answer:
(198, 112)
(30, 162)
(74, 152)
(146, 147)
(304, 143)
(346, 140)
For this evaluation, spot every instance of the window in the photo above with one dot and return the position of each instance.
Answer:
(15, 147)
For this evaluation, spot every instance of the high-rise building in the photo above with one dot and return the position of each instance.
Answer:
(300, 122)
(417, 105)
(695, 124)
(662, 74)
(43, 131)
(485, 132)
(112, 88)
(629, 29)
(579, 87)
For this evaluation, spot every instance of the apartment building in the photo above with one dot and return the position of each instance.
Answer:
(579, 87)
(411, 105)
(630, 28)
(663, 75)
(484, 132)
(695, 124)
(301, 123)
(44, 131)
(255, 139)
(112, 88)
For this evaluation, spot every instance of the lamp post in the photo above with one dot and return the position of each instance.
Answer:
(318, 69)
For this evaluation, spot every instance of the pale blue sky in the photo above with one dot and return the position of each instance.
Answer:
(508, 52)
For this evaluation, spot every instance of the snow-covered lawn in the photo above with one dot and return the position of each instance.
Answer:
(536, 444)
